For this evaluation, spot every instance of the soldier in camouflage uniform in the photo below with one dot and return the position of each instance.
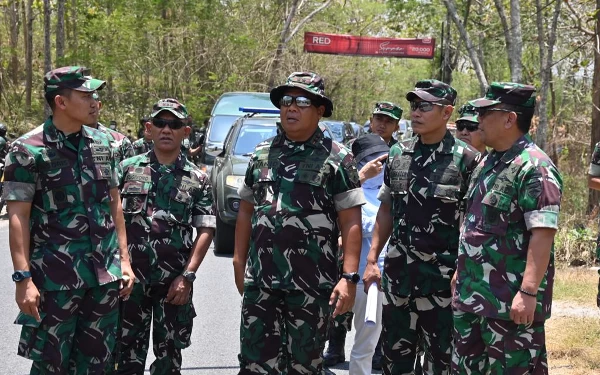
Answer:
(505, 268)
(425, 181)
(122, 148)
(144, 144)
(67, 233)
(297, 188)
(594, 183)
(467, 129)
(385, 121)
(165, 196)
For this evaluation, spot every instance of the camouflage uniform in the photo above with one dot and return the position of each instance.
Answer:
(141, 146)
(74, 254)
(425, 187)
(594, 171)
(162, 204)
(510, 193)
(122, 147)
(296, 190)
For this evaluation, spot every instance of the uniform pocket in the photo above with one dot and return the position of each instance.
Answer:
(183, 327)
(495, 215)
(180, 206)
(134, 196)
(34, 337)
(447, 193)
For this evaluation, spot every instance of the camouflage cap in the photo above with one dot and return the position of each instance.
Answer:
(432, 90)
(71, 77)
(310, 82)
(171, 105)
(467, 113)
(388, 109)
(507, 93)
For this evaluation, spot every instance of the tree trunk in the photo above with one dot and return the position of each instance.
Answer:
(516, 71)
(60, 32)
(281, 45)
(47, 47)
(594, 195)
(451, 7)
(546, 54)
(28, 55)
(74, 26)
(13, 16)
(446, 75)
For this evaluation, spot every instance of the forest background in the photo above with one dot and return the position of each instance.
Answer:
(195, 50)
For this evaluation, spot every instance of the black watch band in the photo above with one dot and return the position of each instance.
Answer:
(353, 277)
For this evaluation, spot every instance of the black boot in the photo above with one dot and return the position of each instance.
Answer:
(377, 357)
(335, 348)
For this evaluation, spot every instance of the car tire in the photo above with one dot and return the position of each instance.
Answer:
(224, 237)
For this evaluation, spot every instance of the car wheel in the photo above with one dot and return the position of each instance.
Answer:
(224, 237)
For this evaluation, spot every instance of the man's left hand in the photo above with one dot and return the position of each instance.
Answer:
(523, 308)
(179, 291)
(344, 292)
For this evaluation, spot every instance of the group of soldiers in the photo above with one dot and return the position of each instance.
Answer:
(103, 245)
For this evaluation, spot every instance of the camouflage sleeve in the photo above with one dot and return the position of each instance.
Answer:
(245, 191)
(595, 162)
(126, 148)
(20, 175)
(346, 185)
(114, 178)
(384, 194)
(202, 212)
(540, 192)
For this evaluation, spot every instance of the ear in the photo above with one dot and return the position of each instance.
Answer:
(321, 110)
(448, 112)
(148, 127)
(397, 126)
(59, 102)
(99, 105)
(511, 120)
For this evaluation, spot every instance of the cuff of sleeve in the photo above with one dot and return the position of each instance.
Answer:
(594, 170)
(545, 218)
(205, 221)
(18, 191)
(246, 193)
(384, 194)
(348, 199)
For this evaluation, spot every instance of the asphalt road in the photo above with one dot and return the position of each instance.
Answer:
(215, 338)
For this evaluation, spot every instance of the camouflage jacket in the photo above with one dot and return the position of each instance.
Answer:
(162, 204)
(594, 170)
(122, 147)
(297, 190)
(73, 242)
(426, 195)
(509, 195)
(141, 146)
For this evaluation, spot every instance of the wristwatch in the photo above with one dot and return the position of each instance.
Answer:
(20, 275)
(189, 276)
(353, 277)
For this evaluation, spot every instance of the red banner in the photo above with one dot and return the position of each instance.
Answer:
(337, 44)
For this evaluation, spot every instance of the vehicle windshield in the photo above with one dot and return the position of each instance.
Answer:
(219, 127)
(337, 129)
(230, 104)
(250, 136)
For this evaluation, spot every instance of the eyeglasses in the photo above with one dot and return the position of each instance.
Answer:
(301, 101)
(173, 124)
(470, 126)
(423, 106)
(483, 111)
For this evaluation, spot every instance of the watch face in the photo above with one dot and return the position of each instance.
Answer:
(355, 278)
(18, 276)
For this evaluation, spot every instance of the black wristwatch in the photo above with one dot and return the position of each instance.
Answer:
(20, 275)
(353, 277)
(189, 276)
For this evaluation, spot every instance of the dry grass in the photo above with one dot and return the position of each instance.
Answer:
(573, 342)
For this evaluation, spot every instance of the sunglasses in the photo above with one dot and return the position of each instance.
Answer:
(471, 127)
(173, 124)
(301, 101)
(424, 106)
(483, 111)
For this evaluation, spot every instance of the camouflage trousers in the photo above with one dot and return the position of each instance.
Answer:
(77, 332)
(172, 330)
(411, 324)
(283, 331)
(492, 346)
(343, 321)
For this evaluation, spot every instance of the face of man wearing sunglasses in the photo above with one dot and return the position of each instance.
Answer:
(469, 133)
(428, 119)
(299, 115)
(498, 125)
(167, 131)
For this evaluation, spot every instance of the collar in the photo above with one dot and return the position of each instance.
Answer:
(445, 147)
(315, 140)
(180, 162)
(516, 149)
(53, 135)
